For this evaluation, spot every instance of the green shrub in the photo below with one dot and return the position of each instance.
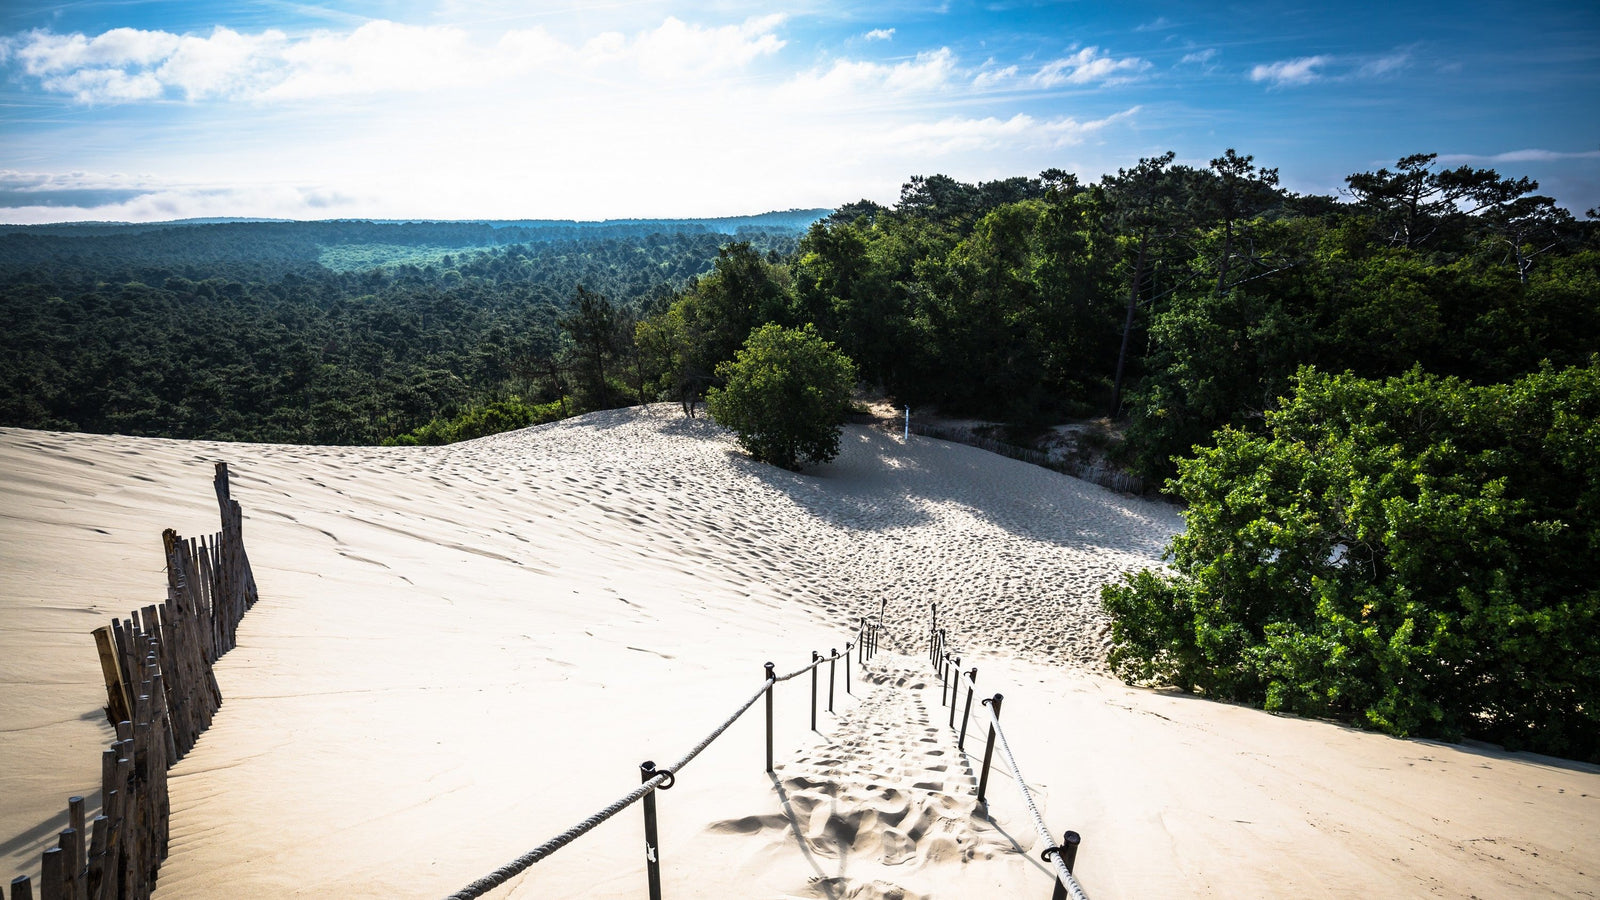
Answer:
(1417, 555)
(481, 420)
(786, 394)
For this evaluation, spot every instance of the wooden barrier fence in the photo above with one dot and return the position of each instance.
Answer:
(161, 694)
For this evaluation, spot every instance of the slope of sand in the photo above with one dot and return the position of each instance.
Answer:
(462, 651)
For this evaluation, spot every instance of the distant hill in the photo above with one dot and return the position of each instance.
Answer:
(792, 220)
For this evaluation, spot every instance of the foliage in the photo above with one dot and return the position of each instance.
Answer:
(481, 420)
(786, 393)
(1417, 555)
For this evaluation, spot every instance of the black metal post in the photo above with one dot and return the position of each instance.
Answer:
(966, 712)
(814, 658)
(847, 649)
(956, 686)
(833, 663)
(652, 848)
(770, 677)
(988, 749)
(861, 643)
(1069, 855)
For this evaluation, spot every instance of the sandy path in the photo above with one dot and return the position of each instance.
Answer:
(463, 650)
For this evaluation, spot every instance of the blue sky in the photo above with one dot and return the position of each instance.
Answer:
(135, 110)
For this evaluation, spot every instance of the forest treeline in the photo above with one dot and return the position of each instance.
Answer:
(240, 331)
(1179, 299)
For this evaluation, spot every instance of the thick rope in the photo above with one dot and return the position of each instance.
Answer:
(520, 864)
(517, 866)
(720, 729)
(1074, 889)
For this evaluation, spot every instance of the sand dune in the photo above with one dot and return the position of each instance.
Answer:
(463, 650)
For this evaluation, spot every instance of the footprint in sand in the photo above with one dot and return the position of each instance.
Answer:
(878, 797)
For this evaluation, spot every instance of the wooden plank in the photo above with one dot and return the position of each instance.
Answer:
(116, 691)
(52, 877)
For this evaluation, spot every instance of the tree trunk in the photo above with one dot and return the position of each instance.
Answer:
(1127, 323)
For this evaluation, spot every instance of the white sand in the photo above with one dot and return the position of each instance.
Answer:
(461, 651)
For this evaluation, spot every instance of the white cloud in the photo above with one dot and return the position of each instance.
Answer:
(1199, 56)
(378, 57)
(864, 81)
(990, 78)
(1291, 71)
(45, 53)
(1086, 67)
(880, 34)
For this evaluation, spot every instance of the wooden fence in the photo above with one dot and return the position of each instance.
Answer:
(1104, 476)
(161, 694)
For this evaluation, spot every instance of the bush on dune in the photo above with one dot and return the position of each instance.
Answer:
(1417, 555)
(786, 394)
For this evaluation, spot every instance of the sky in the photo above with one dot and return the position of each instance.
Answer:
(144, 110)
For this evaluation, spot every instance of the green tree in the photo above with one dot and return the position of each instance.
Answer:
(786, 394)
(1416, 555)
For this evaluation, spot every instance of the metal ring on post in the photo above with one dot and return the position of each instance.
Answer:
(671, 780)
(1049, 850)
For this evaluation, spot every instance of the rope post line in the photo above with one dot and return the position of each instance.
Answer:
(1068, 852)
(652, 848)
(988, 748)
(771, 679)
(814, 657)
(966, 712)
(833, 663)
(956, 686)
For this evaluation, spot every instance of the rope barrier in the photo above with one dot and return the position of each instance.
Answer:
(662, 781)
(1052, 852)
(520, 864)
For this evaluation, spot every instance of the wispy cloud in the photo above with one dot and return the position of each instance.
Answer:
(79, 196)
(1199, 56)
(1513, 156)
(963, 134)
(1088, 66)
(1384, 65)
(1291, 71)
(880, 34)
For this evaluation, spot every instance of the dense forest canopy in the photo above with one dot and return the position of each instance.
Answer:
(258, 331)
